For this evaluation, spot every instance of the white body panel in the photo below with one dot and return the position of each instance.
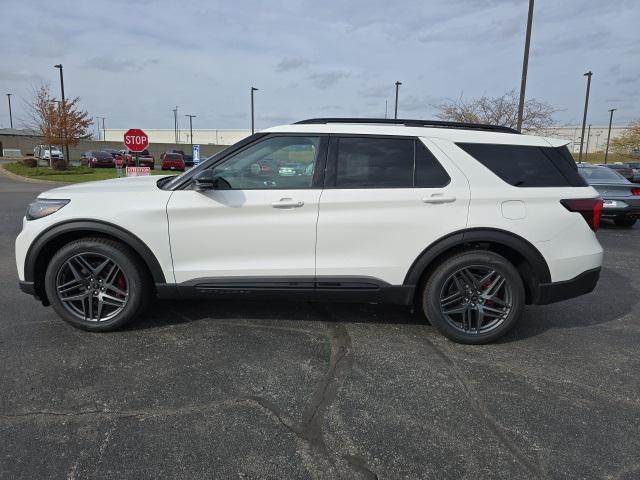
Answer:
(240, 233)
(136, 204)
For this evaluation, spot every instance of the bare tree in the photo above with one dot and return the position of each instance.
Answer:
(501, 110)
(629, 140)
(59, 123)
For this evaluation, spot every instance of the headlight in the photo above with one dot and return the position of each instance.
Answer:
(41, 207)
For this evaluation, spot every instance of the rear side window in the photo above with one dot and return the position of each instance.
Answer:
(370, 162)
(527, 166)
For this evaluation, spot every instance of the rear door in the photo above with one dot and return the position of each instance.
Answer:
(385, 200)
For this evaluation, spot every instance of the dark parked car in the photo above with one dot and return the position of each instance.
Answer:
(97, 158)
(624, 170)
(621, 197)
(635, 166)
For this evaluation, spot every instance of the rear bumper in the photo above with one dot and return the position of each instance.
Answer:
(558, 291)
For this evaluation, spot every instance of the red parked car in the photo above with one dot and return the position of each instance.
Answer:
(97, 158)
(145, 159)
(173, 161)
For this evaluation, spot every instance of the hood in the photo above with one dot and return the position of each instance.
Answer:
(116, 185)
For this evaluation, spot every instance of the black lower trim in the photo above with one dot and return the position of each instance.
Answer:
(558, 291)
(341, 289)
(28, 287)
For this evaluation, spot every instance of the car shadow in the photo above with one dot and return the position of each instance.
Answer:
(591, 309)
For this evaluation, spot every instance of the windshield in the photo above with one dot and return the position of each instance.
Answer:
(594, 174)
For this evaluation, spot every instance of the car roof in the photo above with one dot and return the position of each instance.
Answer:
(446, 133)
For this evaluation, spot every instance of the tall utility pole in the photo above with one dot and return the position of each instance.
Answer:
(396, 110)
(586, 107)
(588, 138)
(175, 124)
(98, 127)
(10, 116)
(104, 132)
(525, 66)
(191, 117)
(63, 110)
(253, 89)
(606, 152)
(385, 108)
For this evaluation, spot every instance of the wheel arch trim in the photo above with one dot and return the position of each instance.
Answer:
(97, 226)
(479, 235)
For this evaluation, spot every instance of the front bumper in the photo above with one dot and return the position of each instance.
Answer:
(558, 291)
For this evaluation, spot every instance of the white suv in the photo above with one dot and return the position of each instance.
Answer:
(467, 223)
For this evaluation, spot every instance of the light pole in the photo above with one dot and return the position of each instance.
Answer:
(586, 106)
(191, 117)
(597, 142)
(396, 110)
(385, 108)
(253, 89)
(588, 138)
(606, 152)
(63, 113)
(175, 124)
(10, 116)
(525, 66)
(104, 132)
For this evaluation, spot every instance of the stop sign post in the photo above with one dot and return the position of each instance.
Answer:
(136, 141)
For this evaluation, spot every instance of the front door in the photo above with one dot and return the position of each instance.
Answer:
(261, 227)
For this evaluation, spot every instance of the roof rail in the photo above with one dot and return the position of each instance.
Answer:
(412, 123)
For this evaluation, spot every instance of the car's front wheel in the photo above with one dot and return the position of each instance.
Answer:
(96, 284)
(474, 297)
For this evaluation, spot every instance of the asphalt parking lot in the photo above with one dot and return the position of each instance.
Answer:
(240, 390)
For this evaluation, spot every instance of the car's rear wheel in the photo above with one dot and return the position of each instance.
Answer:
(96, 284)
(625, 222)
(474, 297)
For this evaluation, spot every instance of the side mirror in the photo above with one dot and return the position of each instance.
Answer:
(205, 180)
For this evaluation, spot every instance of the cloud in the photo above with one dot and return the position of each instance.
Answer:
(324, 80)
(110, 64)
(287, 64)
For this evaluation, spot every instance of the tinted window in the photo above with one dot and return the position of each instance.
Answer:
(599, 173)
(429, 172)
(275, 163)
(527, 166)
(369, 162)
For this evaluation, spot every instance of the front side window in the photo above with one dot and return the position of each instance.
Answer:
(275, 163)
(376, 162)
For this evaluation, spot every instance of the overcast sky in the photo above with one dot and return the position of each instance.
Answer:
(133, 61)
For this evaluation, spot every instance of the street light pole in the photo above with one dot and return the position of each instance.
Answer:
(586, 106)
(104, 132)
(606, 152)
(191, 117)
(586, 153)
(253, 89)
(63, 110)
(525, 66)
(10, 116)
(396, 110)
(175, 124)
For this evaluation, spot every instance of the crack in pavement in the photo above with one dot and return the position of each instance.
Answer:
(479, 406)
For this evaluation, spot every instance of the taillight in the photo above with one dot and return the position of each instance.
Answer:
(589, 208)
(635, 191)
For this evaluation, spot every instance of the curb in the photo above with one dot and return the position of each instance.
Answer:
(20, 178)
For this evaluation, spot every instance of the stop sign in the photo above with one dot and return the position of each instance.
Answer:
(136, 140)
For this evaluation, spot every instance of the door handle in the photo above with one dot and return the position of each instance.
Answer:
(438, 199)
(287, 203)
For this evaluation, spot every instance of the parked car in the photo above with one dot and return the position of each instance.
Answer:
(114, 153)
(145, 159)
(465, 223)
(635, 167)
(97, 159)
(622, 169)
(173, 161)
(48, 152)
(621, 197)
(188, 159)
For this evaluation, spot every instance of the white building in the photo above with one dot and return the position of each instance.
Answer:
(206, 136)
(597, 136)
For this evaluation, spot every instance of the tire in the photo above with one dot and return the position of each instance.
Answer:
(625, 222)
(453, 309)
(103, 284)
